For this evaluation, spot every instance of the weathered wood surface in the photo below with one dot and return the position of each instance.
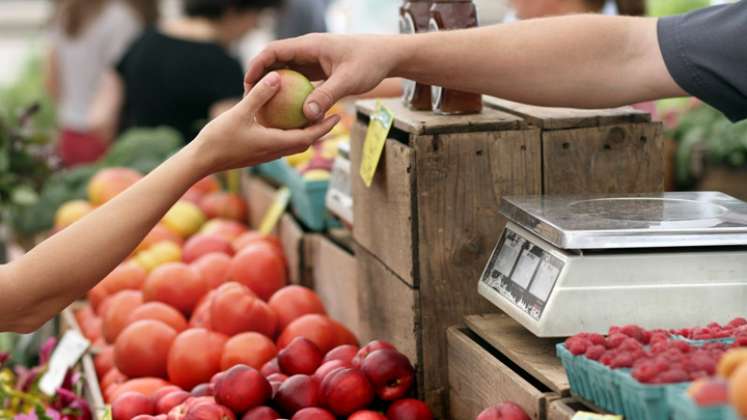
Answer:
(460, 181)
(383, 213)
(549, 118)
(478, 380)
(611, 159)
(565, 409)
(333, 277)
(534, 355)
(426, 122)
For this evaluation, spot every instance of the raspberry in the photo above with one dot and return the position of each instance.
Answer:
(633, 331)
(737, 322)
(740, 342)
(622, 360)
(595, 352)
(606, 358)
(659, 347)
(596, 339)
(658, 337)
(740, 331)
(577, 345)
(713, 326)
(672, 376)
(647, 337)
(613, 330)
(697, 375)
(631, 344)
(681, 346)
(615, 340)
(645, 372)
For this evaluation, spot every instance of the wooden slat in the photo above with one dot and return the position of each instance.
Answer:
(478, 380)
(460, 181)
(291, 238)
(561, 118)
(533, 354)
(333, 277)
(612, 159)
(426, 122)
(388, 306)
(565, 409)
(383, 212)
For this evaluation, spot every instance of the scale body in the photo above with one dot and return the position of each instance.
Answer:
(339, 198)
(566, 264)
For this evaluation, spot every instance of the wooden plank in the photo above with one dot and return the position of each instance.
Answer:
(612, 159)
(426, 122)
(291, 238)
(460, 181)
(389, 307)
(565, 409)
(560, 118)
(383, 213)
(333, 277)
(478, 380)
(258, 195)
(533, 354)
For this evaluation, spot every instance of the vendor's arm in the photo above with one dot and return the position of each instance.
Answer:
(61, 269)
(586, 61)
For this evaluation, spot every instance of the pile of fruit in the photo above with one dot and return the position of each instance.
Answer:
(203, 294)
(21, 398)
(301, 383)
(736, 329)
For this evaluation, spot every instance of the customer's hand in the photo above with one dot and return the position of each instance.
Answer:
(348, 65)
(234, 139)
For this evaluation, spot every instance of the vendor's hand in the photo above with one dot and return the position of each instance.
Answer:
(348, 65)
(234, 139)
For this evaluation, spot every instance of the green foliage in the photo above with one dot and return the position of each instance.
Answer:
(144, 148)
(673, 7)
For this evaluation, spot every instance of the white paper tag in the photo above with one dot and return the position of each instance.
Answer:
(66, 355)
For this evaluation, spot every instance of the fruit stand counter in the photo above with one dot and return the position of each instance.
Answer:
(426, 226)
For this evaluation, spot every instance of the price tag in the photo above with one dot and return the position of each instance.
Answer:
(378, 130)
(585, 415)
(66, 355)
(275, 211)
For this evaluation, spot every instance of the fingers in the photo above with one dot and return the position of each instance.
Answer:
(260, 93)
(339, 85)
(278, 54)
(294, 140)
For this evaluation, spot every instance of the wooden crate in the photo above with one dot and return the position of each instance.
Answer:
(430, 219)
(332, 272)
(259, 195)
(566, 409)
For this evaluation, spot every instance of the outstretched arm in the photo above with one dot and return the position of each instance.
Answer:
(61, 269)
(585, 61)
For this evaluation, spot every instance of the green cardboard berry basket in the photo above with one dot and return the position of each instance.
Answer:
(700, 343)
(682, 407)
(591, 380)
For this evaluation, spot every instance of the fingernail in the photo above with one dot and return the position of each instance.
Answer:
(314, 110)
(272, 79)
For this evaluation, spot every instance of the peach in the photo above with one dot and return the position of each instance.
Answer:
(107, 183)
(300, 356)
(292, 302)
(329, 367)
(104, 361)
(346, 391)
(317, 328)
(171, 400)
(296, 393)
(390, 373)
(131, 404)
(409, 409)
(250, 348)
(313, 413)
(126, 276)
(503, 411)
(730, 361)
(118, 311)
(177, 285)
(160, 312)
(285, 109)
(202, 244)
(71, 212)
(738, 389)
(261, 413)
(194, 357)
(142, 349)
(213, 268)
(224, 205)
(235, 309)
(367, 415)
(184, 219)
(370, 348)
(242, 388)
(159, 233)
(345, 353)
(225, 228)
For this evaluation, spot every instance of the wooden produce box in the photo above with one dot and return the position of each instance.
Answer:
(427, 224)
(259, 195)
(331, 270)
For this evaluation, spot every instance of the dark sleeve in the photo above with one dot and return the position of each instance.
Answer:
(226, 80)
(705, 51)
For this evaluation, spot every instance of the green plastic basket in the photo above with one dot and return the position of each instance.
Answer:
(682, 407)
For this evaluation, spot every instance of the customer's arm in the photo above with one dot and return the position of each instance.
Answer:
(61, 269)
(583, 61)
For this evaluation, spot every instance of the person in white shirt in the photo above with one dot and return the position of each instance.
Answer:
(87, 37)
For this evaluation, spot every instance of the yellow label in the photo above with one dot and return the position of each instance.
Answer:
(378, 130)
(107, 413)
(282, 197)
(584, 415)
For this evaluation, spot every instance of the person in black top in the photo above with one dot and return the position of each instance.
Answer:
(583, 61)
(181, 74)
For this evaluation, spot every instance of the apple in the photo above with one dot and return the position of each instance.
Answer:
(346, 391)
(503, 411)
(367, 415)
(313, 413)
(203, 390)
(330, 367)
(345, 352)
(390, 373)
(409, 409)
(144, 417)
(709, 391)
(242, 388)
(370, 348)
(209, 411)
(156, 396)
(171, 400)
(131, 404)
(285, 109)
(296, 393)
(270, 367)
(301, 356)
(261, 413)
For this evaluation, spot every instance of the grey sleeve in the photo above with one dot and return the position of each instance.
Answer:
(705, 51)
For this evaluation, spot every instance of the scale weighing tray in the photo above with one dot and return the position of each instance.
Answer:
(566, 264)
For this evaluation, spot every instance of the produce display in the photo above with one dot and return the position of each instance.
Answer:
(200, 322)
(21, 398)
(626, 369)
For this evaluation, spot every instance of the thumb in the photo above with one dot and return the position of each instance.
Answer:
(326, 95)
(260, 93)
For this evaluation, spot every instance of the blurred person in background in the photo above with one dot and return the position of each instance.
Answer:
(87, 37)
(301, 17)
(181, 73)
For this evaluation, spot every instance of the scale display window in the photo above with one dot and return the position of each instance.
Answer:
(523, 273)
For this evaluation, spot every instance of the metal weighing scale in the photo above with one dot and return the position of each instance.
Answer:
(566, 264)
